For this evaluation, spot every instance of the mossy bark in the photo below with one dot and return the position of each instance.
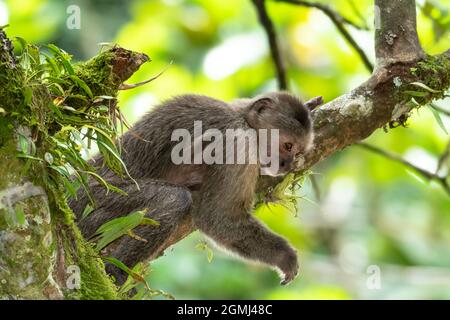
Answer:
(41, 249)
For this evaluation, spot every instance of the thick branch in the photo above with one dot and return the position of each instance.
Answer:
(265, 21)
(396, 36)
(354, 116)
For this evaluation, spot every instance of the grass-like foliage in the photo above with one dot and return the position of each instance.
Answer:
(65, 116)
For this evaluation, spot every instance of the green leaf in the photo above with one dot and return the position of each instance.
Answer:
(150, 222)
(63, 57)
(71, 187)
(119, 264)
(52, 63)
(438, 118)
(98, 178)
(82, 85)
(28, 95)
(102, 108)
(203, 246)
(35, 56)
(71, 109)
(61, 170)
(102, 132)
(424, 86)
(116, 228)
(20, 215)
(48, 157)
(118, 158)
(55, 110)
(87, 211)
(210, 255)
(23, 43)
(417, 93)
(84, 183)
(26, 156)
(414, 101)
(105, 98)
(24, 144)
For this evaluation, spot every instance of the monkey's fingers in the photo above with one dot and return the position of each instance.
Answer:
(288, 278)
(289, 267)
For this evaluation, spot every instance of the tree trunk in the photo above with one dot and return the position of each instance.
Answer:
(42, 253)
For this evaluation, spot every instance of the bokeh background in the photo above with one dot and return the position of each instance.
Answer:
(369, 218)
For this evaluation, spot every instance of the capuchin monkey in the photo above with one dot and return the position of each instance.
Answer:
(215, 198)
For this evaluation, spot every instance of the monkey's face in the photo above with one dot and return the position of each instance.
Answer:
(284, 151)
(290, 149)
(285, 113)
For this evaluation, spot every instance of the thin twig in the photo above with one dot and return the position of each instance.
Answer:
(339, 22)
(125, 86)
(360, 16)
(394, 157)
(265, 21)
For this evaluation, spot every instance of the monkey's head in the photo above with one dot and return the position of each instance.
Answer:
(285, 112)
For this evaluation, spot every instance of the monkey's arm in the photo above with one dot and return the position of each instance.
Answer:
(226, 219)
(168, 204)
(248, 238)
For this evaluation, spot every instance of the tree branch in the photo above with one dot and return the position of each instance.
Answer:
(396, 36)
(265, 21)
(339, 22)
(354, 116)
(442, 180)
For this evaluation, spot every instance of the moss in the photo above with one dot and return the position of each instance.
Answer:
(27, 250)
(9, 165)
(27, 101)
(431, 73)
(434, 72)
(97, 73)
(95, 283)
(11, 88)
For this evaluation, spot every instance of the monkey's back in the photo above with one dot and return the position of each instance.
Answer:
(147, 146)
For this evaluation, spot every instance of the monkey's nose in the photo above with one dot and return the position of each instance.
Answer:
(285, 163)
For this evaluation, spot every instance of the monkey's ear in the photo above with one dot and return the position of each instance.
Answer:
(261, 104)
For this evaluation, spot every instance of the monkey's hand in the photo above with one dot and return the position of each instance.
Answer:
(288, 265)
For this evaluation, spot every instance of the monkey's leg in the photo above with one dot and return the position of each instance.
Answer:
(242, 234)
(173, 226)
(167, 203)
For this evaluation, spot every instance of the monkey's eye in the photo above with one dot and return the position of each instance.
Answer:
(288, 146)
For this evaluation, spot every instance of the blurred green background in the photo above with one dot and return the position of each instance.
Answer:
(372, 219)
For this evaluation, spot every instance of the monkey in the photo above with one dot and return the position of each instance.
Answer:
(216, 199)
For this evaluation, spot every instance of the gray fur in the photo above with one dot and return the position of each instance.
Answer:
(216, 199)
